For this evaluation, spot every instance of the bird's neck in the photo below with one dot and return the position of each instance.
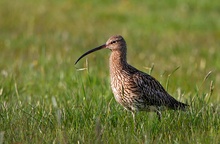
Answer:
(118, 61)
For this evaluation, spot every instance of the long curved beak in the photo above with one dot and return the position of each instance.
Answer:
(90, 51)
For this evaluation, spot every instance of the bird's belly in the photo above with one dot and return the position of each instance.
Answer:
(116, 95)
(133, 102)
(130, 98)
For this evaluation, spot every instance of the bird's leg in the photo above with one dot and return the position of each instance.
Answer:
(159, 115)
(133, 114)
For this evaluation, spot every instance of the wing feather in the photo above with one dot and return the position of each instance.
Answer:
(152, 91)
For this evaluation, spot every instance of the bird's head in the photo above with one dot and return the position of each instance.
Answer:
(114, 43)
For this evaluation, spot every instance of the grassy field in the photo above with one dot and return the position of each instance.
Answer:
(45, 98)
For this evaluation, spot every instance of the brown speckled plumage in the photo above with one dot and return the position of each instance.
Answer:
(133, 89)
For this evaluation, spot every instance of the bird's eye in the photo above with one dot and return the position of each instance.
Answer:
(113, 42)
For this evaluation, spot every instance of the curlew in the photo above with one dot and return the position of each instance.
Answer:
(134, 89)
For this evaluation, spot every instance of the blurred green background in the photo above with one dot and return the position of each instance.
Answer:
(41, 40)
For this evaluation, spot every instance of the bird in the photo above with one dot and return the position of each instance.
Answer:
(133, 89)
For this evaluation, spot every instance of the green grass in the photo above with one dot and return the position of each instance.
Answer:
(44, 98)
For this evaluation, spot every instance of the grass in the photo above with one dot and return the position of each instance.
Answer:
(44, 98)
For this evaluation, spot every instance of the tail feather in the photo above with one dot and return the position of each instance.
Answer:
(176, 105)
(180, 106)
